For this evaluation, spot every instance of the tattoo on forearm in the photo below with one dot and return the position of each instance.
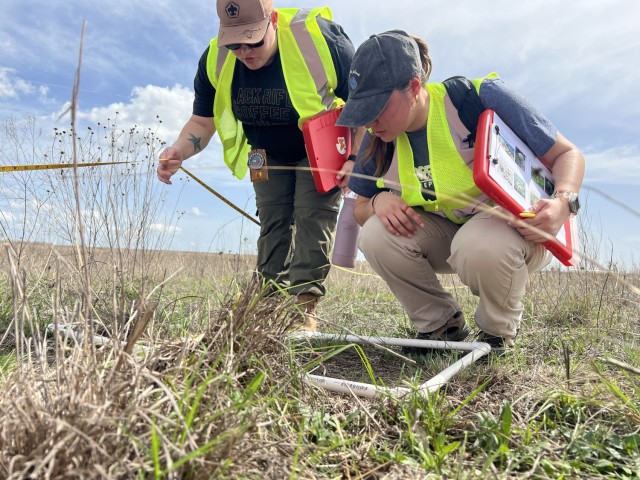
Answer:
(196, 142)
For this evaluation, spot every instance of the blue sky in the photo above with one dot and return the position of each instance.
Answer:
(577, 61)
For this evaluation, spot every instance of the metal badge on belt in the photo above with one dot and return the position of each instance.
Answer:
(258, 165)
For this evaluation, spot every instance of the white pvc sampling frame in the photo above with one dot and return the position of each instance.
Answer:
(68, 332)
(476, 350)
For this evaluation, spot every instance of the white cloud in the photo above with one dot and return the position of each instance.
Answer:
(11, 86)
(618, 165)
(162, 228)
(43, 95)
(163, 110)
(196, 212)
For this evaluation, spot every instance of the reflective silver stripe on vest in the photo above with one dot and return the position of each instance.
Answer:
(222, 56)
(311, 55)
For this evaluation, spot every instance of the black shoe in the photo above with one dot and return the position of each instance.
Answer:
(455, 330)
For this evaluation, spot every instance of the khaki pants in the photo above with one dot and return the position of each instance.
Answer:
(489, 256)
(297, 229)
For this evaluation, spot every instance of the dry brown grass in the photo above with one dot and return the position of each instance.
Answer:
(213, 390)
(80, 412)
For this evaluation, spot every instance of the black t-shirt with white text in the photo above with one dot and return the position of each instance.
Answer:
(262, 103)
(260, 99)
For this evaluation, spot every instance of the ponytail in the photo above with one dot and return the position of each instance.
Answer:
(425, 59)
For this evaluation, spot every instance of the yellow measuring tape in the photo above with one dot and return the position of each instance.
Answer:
(211, 190)
(53, 166)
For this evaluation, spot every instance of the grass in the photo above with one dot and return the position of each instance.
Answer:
(215, 390)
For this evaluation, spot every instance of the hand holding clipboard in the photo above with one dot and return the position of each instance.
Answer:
(509, 173)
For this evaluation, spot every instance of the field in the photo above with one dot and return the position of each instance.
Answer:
(210, 387)
(198, 378)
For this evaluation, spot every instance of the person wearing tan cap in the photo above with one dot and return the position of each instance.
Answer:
(418, 203)
(266, 72)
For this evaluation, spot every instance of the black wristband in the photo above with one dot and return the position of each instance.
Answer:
(373, 200)
(351, 157)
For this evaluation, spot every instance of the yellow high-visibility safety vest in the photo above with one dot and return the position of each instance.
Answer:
(309, 74)
(452, 178)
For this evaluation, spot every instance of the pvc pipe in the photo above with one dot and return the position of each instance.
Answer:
(68, 332)
(77, 337)
(476, 351)
(360, 389)
(448, 373)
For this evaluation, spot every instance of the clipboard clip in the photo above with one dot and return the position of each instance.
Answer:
(492, 148)
(470, 140)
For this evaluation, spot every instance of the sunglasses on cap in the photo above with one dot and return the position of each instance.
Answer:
(238, 46)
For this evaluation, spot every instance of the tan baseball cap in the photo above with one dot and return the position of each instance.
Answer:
(243, 21)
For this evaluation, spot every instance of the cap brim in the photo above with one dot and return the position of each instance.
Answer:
(358, 112)
(247, 33)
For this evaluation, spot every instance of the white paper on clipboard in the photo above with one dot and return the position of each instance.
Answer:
(508, 171)
(517, 170)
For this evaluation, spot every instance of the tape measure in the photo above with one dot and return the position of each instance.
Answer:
(53, 166)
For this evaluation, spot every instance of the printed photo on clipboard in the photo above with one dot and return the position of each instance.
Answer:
(506, 169)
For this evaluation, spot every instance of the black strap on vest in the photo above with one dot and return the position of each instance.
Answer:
(464, 97)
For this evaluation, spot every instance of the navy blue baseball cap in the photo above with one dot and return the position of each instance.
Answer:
(383, 63)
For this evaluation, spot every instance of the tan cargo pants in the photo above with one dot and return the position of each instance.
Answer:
(488, 255)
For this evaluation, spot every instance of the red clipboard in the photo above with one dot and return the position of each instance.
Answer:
(328, 147)
(506, 169)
